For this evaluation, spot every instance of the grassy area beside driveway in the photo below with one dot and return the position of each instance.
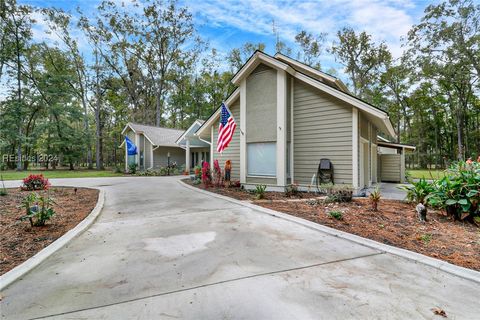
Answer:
(427, 174)
(59, 173)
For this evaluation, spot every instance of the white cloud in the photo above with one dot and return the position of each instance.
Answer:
(387, 20)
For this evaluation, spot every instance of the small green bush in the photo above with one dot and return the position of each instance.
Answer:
(38, 209)
(132, 168)
(3, 191)
(375, 197)
(118, 169)
(459, 191)
(419, 191)
(336, 214)
(260, 191)
(339, 193)
(426, 238)
(291, 190)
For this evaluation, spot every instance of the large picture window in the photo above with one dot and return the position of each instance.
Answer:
(261, 159)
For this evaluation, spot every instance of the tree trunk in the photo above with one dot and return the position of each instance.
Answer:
(19, 100)
(98, 128)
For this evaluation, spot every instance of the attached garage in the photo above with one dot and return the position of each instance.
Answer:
(391, 160)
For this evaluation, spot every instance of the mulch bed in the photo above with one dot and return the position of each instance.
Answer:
(19, 241)
(395, 223)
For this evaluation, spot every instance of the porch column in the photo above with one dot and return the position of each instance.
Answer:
(126, 157)
(355, 155)
(281, 128)
(137, 156)
(243, 130)
(187, 157)
(402, 165)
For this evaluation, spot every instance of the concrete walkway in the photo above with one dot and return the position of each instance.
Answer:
(389, 190)
(161, 251)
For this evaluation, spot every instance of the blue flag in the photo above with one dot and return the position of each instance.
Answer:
(131, 148)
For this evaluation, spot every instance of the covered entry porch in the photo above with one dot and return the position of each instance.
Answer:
(196, 150)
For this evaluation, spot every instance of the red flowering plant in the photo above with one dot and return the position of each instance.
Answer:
(206, 175)
(217, 173)
(35, 182)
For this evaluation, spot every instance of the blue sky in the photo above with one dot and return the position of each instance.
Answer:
(227, 24)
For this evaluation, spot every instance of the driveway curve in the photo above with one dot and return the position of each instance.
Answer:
(162, 251)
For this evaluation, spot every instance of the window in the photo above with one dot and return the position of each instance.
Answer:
(261, 159)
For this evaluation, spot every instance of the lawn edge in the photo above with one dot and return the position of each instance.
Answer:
(458, 271)
(29, 264)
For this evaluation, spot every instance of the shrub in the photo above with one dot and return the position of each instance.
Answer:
(235, 184)
(260, 191)
(291, 190)
(35, 182)
(3, 166)
(426, 238)
(38, 209)
(339, 193)
(3, 191)
(217, 173)
(375, 197)
(197, 181)
(336, 215)
(118, 169)
(206, 175)
(459, 191)
(132, 168)
(419, 191)
(198, 172)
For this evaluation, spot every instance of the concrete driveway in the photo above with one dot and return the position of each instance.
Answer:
(161, 251)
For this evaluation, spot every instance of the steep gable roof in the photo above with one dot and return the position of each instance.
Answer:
(315, 78)
(165, 137)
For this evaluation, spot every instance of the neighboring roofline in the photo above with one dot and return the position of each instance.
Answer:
(310, 69)
(232, 97)
(128, 125)
(397, 145)
(185, 132)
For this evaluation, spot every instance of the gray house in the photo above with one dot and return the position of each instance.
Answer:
(289, 116)
(154, 145)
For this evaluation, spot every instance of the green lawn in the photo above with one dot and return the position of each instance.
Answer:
(59, 173)
(427, 174)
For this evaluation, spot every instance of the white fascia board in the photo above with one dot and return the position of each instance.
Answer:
(349, 99)
(306, 67)
(186, 131)
(206, 125)
(126, 127)
(255, 60)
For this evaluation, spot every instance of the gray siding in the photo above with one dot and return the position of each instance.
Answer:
(262, 180)
(148, 155)
(390, 167)
(160, 156)
(232, 153)
(322, 129)
(261, 104)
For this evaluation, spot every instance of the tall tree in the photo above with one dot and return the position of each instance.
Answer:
(363, 60)
(311, 48)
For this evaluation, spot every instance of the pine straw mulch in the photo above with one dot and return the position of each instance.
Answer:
(395, 223)
(19, 241)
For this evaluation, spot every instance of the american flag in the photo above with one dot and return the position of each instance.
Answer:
(226, 129)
